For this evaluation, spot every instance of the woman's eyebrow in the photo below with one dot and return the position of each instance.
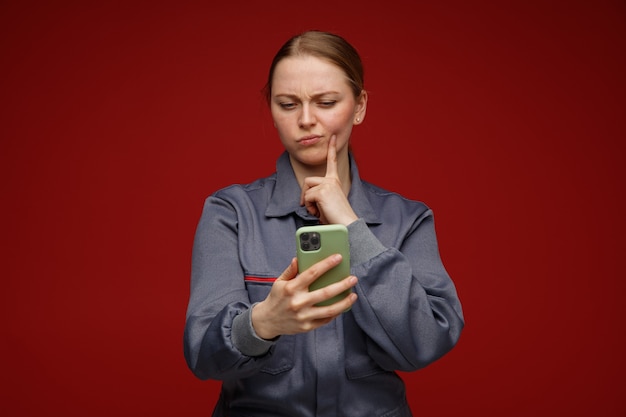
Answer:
(314, 96)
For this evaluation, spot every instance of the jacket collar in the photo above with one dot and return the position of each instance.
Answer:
(285, 198)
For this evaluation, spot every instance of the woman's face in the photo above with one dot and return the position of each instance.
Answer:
(311, 100)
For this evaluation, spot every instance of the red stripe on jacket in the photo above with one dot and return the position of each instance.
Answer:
(259, 279)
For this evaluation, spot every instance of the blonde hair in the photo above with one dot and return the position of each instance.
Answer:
(325, 45)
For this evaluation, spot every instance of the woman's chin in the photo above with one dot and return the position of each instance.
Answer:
(310, 157)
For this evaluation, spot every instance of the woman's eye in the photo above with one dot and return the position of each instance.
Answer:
(328, 103)
(287, 106)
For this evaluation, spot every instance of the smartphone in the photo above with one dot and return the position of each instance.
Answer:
(315, 243)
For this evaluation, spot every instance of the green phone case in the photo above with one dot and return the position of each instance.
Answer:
(333, 238)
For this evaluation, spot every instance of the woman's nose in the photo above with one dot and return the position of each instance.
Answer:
(307, 116)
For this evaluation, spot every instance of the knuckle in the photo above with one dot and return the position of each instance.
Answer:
(295, 307)
(315, 271)
(306, 326)
(290, 288)
(327, 292)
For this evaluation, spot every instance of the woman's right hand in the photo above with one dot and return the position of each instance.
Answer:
(290, 306)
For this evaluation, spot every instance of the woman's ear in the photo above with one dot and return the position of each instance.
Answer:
(360, 108)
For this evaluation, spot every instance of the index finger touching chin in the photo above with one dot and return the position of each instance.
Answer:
(331, 157)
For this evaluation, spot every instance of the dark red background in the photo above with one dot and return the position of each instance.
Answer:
(119, 118)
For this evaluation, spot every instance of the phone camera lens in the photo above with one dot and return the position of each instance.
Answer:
(310, 241)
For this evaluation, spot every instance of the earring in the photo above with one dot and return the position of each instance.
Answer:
(358, 120)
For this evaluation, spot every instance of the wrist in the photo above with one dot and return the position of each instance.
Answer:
(349, 219)
(260, 323)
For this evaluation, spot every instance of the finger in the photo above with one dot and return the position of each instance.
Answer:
(290, 272)
(309, 182)
(318, 269)
(331, 158)
(332, 290)
(312, 209)
(306, 199)
(333, 310)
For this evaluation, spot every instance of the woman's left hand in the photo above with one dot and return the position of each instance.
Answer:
(324, 197)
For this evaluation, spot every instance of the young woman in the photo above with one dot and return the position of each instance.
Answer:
(252, 321)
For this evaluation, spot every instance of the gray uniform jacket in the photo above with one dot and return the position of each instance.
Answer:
(407, 314)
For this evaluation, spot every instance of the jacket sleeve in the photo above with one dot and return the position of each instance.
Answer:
(408, 306)
(219, 341)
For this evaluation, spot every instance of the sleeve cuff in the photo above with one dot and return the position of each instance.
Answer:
(363, 244)
(245, 338)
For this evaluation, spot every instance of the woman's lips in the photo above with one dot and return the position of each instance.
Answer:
(309, 140)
